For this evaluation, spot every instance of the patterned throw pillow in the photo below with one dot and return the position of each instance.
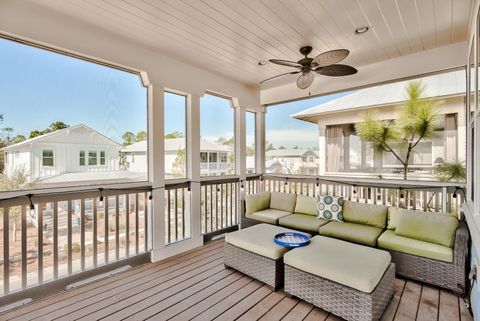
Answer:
(330, 208)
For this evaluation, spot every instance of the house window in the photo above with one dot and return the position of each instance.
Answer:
(223, 158)
(311, 159)
(82, 158)
(92, 158)
(47, 157)
(217, 131)
(102, 157)
(304, 159)
(212, 157)
(175, 122)
(203, 157)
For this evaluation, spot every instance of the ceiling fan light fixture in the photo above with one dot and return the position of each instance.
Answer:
(361, 30)
(305, 80)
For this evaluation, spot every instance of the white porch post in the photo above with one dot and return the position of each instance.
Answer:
(240, 153)
(462, 136)
(260, 146)
(322, 149)
(156, 168)
(193, 165)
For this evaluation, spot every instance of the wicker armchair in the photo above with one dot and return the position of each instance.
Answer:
(452, 276)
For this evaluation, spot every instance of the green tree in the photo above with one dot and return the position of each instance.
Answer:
(178, 166)
(128, 138)
(141, 136)
(417, 122)
(451, 171)
(18, 139)
(58, 125)
(282, 147)
(269, 146)
(174, 134)
(250, 150)
(34, 133)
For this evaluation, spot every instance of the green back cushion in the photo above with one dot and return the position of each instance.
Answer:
(394, 214)
(283, 201)
(257, 202)
(306, 205)
(368, 214)
(438, 229)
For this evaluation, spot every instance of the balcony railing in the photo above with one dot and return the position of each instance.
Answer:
(49, 237)
(177, 212)
(417, 195)
(219, 205)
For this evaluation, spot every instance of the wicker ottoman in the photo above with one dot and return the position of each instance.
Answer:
(253, 252)
(352, 281)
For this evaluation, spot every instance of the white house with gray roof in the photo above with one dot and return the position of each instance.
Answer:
(76, 149)
(342, 152)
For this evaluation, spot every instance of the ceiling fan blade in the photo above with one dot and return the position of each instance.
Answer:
(278, 76)
(305, 80)
(286, 63)
(330, 57)
(336, 70)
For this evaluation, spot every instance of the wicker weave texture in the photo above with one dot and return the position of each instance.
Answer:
(439, 273)
(339, 299)
(259, 267)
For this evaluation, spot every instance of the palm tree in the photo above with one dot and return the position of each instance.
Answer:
(416, 123)
(451, 171)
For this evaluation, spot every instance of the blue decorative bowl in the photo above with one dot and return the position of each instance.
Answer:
(292, 239)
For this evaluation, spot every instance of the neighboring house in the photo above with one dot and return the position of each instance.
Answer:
(213, 157)
(76, 149)
(343, 152)
(292, 161)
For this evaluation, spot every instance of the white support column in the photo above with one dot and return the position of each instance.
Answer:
(240, 153)
(260, 142)
(156, 168)
(193, 164)
(322, 149)
(462, 136)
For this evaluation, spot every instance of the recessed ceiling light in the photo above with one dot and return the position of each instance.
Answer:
(360, 30)
(262, 62)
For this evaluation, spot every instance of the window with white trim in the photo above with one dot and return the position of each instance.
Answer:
(47, 158)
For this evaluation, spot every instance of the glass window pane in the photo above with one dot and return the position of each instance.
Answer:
(175, 133)
(92, 158)
(74, 106)
(102, 157)
(217, 136)
(250, 121)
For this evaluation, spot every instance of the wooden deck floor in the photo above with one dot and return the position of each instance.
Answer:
(196, 286)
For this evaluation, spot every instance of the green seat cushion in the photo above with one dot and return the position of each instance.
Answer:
(283, 201)
(257, 202)
(302, 222)
(259, 239)
(353, 232)
(391, 241)
(269, 215)
(355, 266)
(369, 214)
(438, 229)
(306, 205)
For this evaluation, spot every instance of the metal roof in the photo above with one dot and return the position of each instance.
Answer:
(441, 85)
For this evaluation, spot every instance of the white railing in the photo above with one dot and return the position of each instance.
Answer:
(47, 237)
(419, 195)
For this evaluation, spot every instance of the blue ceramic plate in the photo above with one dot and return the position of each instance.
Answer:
(292, 239)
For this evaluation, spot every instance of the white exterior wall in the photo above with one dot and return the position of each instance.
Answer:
(136, 162)
(66, 148)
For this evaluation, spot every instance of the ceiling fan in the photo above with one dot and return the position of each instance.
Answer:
(325, 64)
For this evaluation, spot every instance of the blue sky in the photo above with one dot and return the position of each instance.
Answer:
(38, 87)
(283, 130)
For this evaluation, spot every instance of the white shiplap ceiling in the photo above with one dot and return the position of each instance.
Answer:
(231, 36)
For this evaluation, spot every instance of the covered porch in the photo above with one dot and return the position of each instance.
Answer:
(149, 243)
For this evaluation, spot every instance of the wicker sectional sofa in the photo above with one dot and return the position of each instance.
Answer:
(429, 247)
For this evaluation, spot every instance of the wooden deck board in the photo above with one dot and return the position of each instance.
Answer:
(196, 286)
